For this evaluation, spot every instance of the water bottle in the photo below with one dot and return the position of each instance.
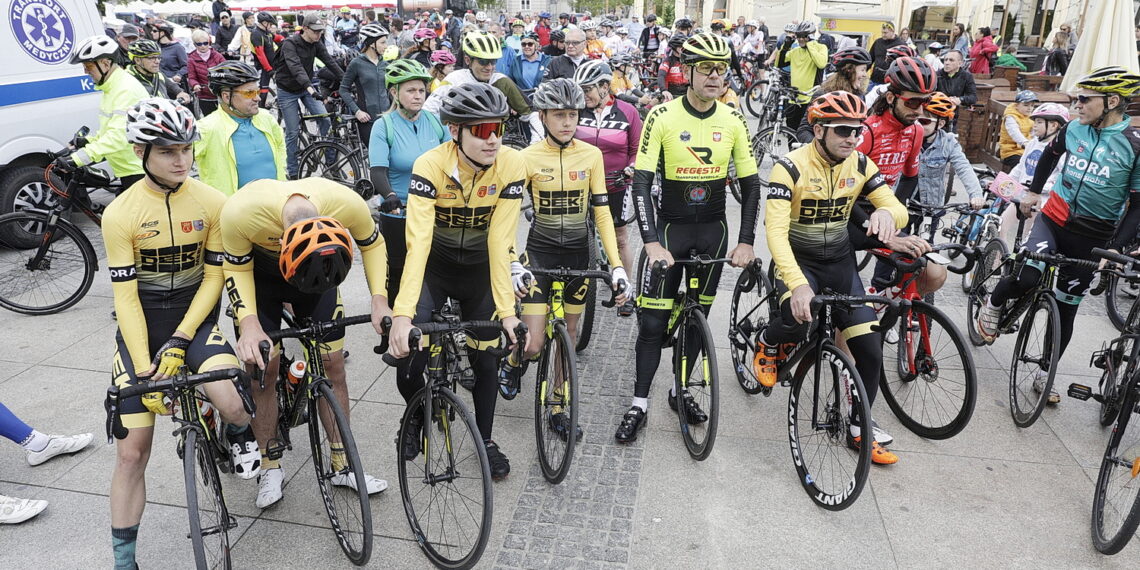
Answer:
(294, 379)
(211, 419)
(295, 375)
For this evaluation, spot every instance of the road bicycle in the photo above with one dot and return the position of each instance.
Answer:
(204, 452)
(773, 138)
(446, 488)
(1121, 294)
(1116, 500)
(556, 429)
(695, 373)
(312, 400)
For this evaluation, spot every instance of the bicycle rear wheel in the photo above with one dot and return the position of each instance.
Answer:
(988, 270)
(1119, 299)
(695, 373)
(772, 143)
(935, 389)
(1116, 501)
(210, 521)
(556, 406)
(51, 275)
(1034, 360)
(753, 99)
(331, 160)
(349, 510)
(819, 423)
(586, 320)
(446, 489)
(752, 302)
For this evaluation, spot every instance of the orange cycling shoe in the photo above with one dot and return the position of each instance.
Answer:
(766, 363)
(879, 454)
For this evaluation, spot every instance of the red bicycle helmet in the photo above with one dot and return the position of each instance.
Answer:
(900, 51)
(851, 56)
(911, 74)
(837, 105)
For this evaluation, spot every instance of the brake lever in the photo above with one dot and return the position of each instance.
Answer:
(263, 347)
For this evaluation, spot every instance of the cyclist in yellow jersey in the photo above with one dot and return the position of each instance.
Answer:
(164, 253)
(811, 193)
(691, 139)
(272, 233)
(462, 215)
(567, 178)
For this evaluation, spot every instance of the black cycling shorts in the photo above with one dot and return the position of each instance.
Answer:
(469, 285)
(574, 292)
(208, 349)
(273, 292)
(621, 207)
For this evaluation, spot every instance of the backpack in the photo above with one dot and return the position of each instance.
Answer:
(390, 130)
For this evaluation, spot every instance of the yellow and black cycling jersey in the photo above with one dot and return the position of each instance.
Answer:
(564, 183)
(164, 251)
(457, 216)
(692, 149)
(809, 203)
(252, 230)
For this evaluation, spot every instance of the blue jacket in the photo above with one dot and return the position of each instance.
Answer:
(944, 150)
(515, 71)
(504, 63)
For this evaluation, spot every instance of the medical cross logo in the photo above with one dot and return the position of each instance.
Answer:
(43, 29)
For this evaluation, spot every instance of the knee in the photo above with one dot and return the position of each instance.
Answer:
(651, 325)
(132, 455)
(932, 278)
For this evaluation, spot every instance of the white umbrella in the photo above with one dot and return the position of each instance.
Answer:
(1108, 39)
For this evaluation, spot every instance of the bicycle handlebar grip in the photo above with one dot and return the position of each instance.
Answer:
(1113, 256)
(890, 315)
(659, 266)
(971, 256)
(622, 287)
(264, 348)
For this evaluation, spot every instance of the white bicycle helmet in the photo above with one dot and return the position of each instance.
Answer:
(161, 122)
(593, 71)
(93, 48)
(481, 17)
(588, 25)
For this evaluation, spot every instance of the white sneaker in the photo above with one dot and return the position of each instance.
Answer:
(348, 479)
(881, 437)
(891, 337)
(59, 445)
(15, 511)
(269, 487)
(1039, 378)
(987, 322)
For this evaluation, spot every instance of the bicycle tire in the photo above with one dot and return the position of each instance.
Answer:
(753, 98)
(210, 520)
(341, 502)
(446, 407)
(586, 319)
(733, 182)
(988, 270)
(837, 494)
(864, 261)
(67, 267)
(707, 390)
(754, 291)
(1116, 302)
(555, 452)
(1112, 466)
(331, 160)
(766, 150)
(930, 396)
(1019, 394)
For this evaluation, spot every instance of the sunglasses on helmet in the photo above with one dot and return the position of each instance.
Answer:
(485, 130)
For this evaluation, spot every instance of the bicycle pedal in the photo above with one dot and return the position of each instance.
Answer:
(1083, 393)
(766, 391)
(276, 449)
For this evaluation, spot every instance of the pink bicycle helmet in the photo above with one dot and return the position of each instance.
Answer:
(442, 57)
(1051, 112)
(423, 34)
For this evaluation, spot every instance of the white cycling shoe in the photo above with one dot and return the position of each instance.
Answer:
(348, 479)
(59, 445)
(15, 511)
(269, 487)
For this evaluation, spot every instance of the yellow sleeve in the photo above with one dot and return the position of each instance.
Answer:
(777, 222)
(420, 227)
(501, 237)
(881, 196)
(366, 233)
(237, 266)
(603, 220)
(118, 239)
(210, 290)
(742, 148)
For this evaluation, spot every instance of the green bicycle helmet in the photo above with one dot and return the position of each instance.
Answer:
(143, 48)
(1112, 80)
(705, 47)
(403, 70)
(482, 45)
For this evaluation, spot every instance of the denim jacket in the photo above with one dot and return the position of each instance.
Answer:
(944, 150)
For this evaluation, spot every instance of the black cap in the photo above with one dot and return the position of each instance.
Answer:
(651, 18)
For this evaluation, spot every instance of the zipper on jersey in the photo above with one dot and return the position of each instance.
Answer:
(562, 185)
(170, 222)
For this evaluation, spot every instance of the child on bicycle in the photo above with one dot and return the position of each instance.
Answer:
(1047, 121)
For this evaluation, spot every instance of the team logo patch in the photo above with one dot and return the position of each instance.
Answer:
(482, 191)
(716, 137)
(850, 182)
(191, 226)
(685, 136)
(43, 29)
(147, 234)
(543, 178)
(842, 183)
(491, 189)
(187, 227)
(199, 225)
(698, 194)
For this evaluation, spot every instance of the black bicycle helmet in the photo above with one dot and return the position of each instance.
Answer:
(683, 23)
(231, 74)
(473, 102)
(851, 56)
(266, 17)
(677, 41)
(557, 36)
(911, 74)
(559, 93)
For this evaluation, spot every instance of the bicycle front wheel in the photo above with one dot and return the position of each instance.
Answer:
(49, 276)
(331, 160)
(446, 488)
(754, 99)
(828, 398)
(1119, 299)
(586, 319)
(695, 374)
(772, 143)
(935, 389)
(1116, 501)
(1034, 361)
(988, 270)
(752, 302)
(340, 475)
(556, 406)
(210, 521)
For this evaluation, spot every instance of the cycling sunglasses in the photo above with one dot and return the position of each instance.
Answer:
(485, 130)
(708, 67)
(924, 121)
(200, 44)
(845, 131)
(247, 93)
(1084, 99)
(914, 102)
(482, 61)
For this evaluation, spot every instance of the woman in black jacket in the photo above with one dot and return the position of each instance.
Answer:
(362, 87)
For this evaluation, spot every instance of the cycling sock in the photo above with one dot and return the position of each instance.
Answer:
(123, 542)
(267, 463)
(642, 403)
(35, 441)
(336, 456)
(232, 429)
(13, 428)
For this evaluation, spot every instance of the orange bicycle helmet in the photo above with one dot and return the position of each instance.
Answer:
(837, 105)
(941, 106)
(316, 254)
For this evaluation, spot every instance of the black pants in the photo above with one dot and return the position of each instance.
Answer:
(263, 84)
